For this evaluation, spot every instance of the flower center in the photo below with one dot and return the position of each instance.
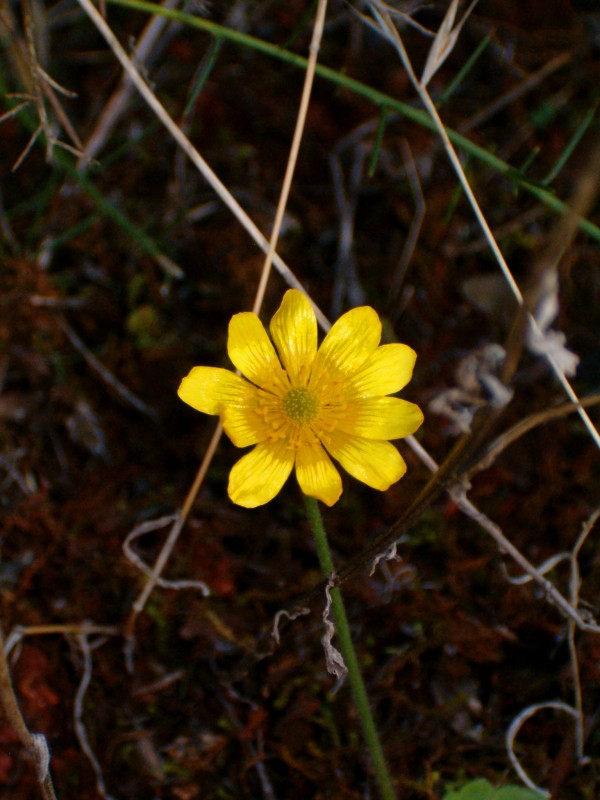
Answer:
(301, 405)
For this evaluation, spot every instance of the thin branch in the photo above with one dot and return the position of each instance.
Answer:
(80, 729)
(126, 394)
(34, 743)
(513, 731)
(491, 451)
(574, 587)
(390, 32)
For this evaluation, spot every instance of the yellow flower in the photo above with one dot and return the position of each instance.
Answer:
(297, 403)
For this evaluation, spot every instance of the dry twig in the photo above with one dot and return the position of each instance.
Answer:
(34, 743)
(390, 32)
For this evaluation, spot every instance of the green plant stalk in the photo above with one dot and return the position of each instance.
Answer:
(464, 70)
(571, 146)
(342, 630)
(381, 99)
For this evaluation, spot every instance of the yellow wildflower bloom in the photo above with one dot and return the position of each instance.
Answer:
(297, 403)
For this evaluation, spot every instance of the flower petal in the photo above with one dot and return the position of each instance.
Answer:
(347, 346)
(259, 475)
(380, 418)
(209, 389)
(378, 464)
(243, 424)
(387, 371)
(252, 352)
(316, 474)
(294, 331)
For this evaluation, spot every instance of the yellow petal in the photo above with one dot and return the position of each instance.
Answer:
(316, 474)
(294, 331)
(209, 389)
(380, 418)
(258, 476)
(387, 371)
(347, 346)
(252, 352)
(243, 424)
(378, 464)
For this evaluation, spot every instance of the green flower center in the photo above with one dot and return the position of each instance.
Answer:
(301, 405)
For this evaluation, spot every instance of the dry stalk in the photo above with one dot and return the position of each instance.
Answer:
(124, 393)
(346, 283)
(574, 587)
(414, 230)
(529, 83)
(491, 451)
(80, 729)
(513, 731)
(118, 103)
(458, 492)
(38, 86)
(34, 743)
(73, 629)
(389, 31)
(577, 711)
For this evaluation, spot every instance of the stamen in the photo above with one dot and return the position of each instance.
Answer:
(301, 405)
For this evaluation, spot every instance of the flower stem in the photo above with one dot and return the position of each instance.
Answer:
(342, 629)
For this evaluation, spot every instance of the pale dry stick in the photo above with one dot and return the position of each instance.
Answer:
(27, 149)
(173, 536)
(13, 475)
(459, 496)
(161, 684)
(513, 225)
(390, 32)
(126, 394)
(119, 100)
(309, 76)
(35, 84)
(73, 629)
(574, 587)
(133, 558)
(48, 86)
(416, 224)
(256, 758)
(346, 276)
(80, 729)
(182, 141)
(513, 731)
(501, 442)
(34, 743)
(529, 83)
(26, 65)
(38, 84)
(168, 546)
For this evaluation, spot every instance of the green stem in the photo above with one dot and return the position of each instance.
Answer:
(342, 629)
